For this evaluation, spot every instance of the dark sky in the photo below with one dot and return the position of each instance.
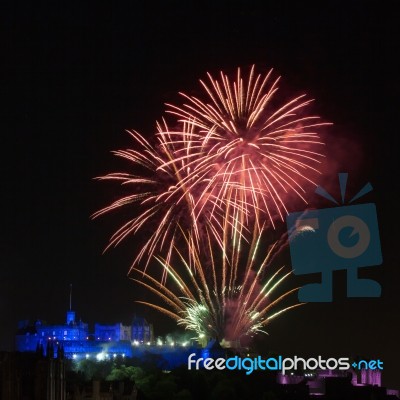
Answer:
(78, 74)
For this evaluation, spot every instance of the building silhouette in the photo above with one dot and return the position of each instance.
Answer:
(33, 376)
(341, 385)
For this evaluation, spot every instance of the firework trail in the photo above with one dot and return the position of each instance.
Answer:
(219, 298)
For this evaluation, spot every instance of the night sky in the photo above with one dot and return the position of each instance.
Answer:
(78, 75)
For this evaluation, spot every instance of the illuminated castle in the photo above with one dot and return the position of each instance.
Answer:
(76, 340)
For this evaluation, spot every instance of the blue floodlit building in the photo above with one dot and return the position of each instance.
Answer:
(77, 342)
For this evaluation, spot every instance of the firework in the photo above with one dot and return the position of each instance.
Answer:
(250, 152)
(219, 298)
(156, 186)
(231, 161)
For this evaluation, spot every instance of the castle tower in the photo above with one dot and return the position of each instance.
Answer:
(70, 314)
(70, 317)
(363, 377)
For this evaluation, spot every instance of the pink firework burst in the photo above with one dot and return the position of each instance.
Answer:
(250, 154)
